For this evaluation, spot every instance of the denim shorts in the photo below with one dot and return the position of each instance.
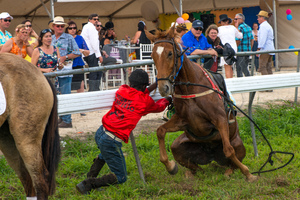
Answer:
(112, 153)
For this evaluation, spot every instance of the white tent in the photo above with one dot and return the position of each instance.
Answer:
(126, 14)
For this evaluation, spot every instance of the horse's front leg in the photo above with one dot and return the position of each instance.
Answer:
(173, 125)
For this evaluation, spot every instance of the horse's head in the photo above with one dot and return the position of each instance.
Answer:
(165, 53)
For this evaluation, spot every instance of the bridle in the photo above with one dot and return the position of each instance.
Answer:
(178, 54)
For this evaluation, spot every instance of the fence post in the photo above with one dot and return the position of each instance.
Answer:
(137, 159)
(296, 88)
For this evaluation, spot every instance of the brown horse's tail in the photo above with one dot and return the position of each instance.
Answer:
(51, 144)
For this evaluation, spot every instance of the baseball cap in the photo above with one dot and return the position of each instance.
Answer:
(197, 24)
(4, 15)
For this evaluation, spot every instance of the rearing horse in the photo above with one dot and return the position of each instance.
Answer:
(29, 136)
(210, 132)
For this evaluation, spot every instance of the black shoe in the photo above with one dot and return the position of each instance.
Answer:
(65, 125)
(83, 187)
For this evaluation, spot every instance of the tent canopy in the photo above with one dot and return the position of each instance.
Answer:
(113, 9)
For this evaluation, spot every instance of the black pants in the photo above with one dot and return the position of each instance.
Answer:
(242, 66)
(94, 77)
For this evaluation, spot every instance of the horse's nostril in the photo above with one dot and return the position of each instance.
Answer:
(167, 88)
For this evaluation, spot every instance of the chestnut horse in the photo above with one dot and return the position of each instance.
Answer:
(29, 136)
(210, 131)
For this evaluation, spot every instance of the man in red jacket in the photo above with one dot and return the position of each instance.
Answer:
(131, 103)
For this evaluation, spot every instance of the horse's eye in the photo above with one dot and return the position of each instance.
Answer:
(170, 54)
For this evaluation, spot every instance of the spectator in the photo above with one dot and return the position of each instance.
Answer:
(110, 34)
(255, 43)
(68, 50)
(227, 34)
(90, 35)
(213, 39)
(140, 37)
(181, 29)
(265, 43)
(116, 127)
(196, 41)
(244, 44)
(33, 37)
(19, 44)
(78, 79)
(5, 20)
(46, 56)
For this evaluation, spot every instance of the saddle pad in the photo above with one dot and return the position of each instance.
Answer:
(2, 100)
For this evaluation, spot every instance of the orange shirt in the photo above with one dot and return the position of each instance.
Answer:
(16, 50)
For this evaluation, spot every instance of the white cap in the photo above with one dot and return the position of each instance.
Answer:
(4, 15)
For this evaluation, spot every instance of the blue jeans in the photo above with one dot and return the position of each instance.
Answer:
(65, 88)
(112, 153)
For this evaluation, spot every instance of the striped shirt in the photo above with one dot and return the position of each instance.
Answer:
(245, 44)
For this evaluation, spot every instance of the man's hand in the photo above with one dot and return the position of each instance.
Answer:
(212, 52)
(101, 59)
(169, 99)
(105, 54)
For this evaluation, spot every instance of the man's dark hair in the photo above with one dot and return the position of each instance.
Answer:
(139, 79)
(93, 15)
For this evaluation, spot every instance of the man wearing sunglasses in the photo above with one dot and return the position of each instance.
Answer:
(5, 20)
(90, 35)
(197, 42)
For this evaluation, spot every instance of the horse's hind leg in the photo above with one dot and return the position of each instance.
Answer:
(8, 148)
(189, 154)
(28, 140)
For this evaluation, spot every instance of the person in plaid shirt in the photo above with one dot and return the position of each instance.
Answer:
(244, 44)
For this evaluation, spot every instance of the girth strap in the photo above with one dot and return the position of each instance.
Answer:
(190, 96)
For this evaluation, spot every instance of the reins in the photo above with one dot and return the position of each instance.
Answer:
(272, 152)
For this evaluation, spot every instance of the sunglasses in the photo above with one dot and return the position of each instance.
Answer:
(72, 28)
(28, 26)
(7, 20)
(46, 30)
(98, 25)
(96, 19)
(237, 18)
(60, 26)
(198, 29)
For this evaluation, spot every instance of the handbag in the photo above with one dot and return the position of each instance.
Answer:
(229, 53)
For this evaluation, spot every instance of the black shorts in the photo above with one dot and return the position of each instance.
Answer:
(77, 79)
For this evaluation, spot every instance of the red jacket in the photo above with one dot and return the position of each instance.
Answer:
(128, 108)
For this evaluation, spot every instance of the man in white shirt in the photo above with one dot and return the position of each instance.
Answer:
(265, 43)
(90, 35)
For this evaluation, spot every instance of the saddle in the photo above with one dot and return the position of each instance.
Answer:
(220, 82)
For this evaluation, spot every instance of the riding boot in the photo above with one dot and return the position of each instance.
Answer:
(87, 185)
(96, 167)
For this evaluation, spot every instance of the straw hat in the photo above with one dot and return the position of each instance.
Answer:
(59, 21)
(263, 13)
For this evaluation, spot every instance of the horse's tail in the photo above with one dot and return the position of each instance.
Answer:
(51, 144)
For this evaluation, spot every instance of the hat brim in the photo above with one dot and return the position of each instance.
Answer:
(262, 16)
(58, 23)
(230, 20)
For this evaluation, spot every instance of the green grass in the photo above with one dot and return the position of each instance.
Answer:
(279, 123)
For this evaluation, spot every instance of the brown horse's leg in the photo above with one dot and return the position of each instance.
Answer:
(229, 150)
(28, 139)
(174, 124)
(8, 148)
(189, 154)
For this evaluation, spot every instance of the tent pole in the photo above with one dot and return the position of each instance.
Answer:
(180, 7)
(52, 9)
(275, 30)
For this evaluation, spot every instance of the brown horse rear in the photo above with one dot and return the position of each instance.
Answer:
(200, 113)
(29, 136)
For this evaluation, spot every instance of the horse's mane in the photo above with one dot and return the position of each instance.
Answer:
(168, 34)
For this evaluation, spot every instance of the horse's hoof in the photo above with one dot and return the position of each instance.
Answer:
(252, 179)
(228, 172)
(174, 170)
(189, 175)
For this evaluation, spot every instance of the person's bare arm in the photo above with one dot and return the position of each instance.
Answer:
(211, 52)
(152, 87)
(7, 46)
